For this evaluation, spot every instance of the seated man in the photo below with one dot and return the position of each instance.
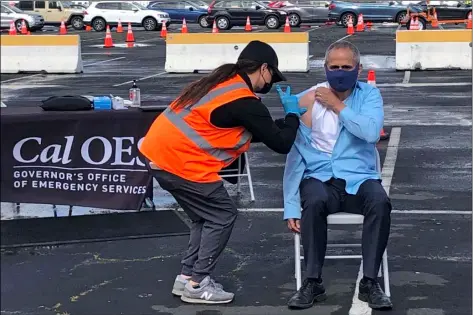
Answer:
(332, 167)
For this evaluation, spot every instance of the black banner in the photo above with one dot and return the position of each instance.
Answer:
(77, 158)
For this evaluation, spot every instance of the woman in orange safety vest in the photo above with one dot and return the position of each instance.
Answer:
(204, 130)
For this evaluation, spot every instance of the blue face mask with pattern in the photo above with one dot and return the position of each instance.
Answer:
(342, 80)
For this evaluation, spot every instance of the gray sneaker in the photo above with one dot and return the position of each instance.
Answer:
(207, 293)
(180, 283)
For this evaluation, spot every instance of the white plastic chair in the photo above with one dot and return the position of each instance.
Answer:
(247, 173)
(343, 218)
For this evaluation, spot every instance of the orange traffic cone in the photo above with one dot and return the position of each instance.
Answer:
(414, 24)
(369, 25)
(130, 38)
(287, 26)
(372, 81)
(12, 30)
(350, 29)
(88, 28)
(248, 25)
(62, 29)
(184, 29)
(468, 22)
(164, 30)
(108, 39)
(360, 27)
(435, 22)
(119, 27)
(214, 28)
(24, 29)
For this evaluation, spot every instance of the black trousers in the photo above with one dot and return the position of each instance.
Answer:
(213, 215)
(319, 199)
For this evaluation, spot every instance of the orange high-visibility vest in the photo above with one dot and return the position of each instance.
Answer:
(184, 142)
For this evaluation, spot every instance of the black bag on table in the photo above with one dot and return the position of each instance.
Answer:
(67, 103)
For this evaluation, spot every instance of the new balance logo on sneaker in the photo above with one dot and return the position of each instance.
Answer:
(206, 295)
(208, 292)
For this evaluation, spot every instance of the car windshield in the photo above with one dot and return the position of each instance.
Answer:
(261, 4)
(199, 3)
(139, 6)
(66, 4)
(14, 9)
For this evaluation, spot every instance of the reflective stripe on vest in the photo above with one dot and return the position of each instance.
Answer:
(178, 120)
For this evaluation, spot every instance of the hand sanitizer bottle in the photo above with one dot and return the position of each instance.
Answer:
(135, 95)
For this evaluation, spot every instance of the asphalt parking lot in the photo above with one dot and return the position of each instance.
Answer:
(430, 153)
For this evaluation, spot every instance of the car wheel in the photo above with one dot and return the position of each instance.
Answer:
(99, 24)
(203, 21)
(18, 25)
(401, 16)
(77, 23)
(150, 24)
(272, 22)
(294, 20)
(346, 17)
(222, 23)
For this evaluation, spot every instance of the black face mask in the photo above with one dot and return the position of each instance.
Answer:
(266, 87)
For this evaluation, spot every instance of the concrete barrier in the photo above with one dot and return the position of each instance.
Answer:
(206, 51)
(433, 49)
(41, 53)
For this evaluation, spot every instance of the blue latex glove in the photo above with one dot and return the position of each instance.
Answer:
(290, 102)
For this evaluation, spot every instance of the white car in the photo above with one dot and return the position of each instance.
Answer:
(103, 13)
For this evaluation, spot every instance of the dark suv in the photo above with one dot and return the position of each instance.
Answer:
(229, 13)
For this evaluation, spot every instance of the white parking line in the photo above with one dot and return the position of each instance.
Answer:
(38, 74)
(92, 39)
(103, 61)
(343, 38)
(313, 29)
(141, 79)
(21, 78)
(358, 307)
(407, 77)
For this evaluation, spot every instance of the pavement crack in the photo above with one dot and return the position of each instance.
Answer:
(92, 289)
(96, 259)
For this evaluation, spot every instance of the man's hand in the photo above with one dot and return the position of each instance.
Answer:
(328, 99)
(294, 225)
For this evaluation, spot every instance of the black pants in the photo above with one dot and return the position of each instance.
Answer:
(213, 215)
(320, 199)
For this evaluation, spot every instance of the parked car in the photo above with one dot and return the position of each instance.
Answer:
(229, 13)
(178, 10)
(306, 13)
(54, 12)
(10, 14)
(103, 13)
(340, 11)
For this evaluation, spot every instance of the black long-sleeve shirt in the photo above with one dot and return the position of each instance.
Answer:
(254, 116)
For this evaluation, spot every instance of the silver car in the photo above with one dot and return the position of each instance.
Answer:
(315, 12)
(9, 13)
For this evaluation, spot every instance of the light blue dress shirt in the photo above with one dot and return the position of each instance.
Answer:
(354, 155)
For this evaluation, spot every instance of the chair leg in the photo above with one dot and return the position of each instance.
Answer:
(250, 181)
(387, 289)
(239, 175)
(297, 260)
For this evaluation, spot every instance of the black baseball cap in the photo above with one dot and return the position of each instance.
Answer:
(264, 53)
